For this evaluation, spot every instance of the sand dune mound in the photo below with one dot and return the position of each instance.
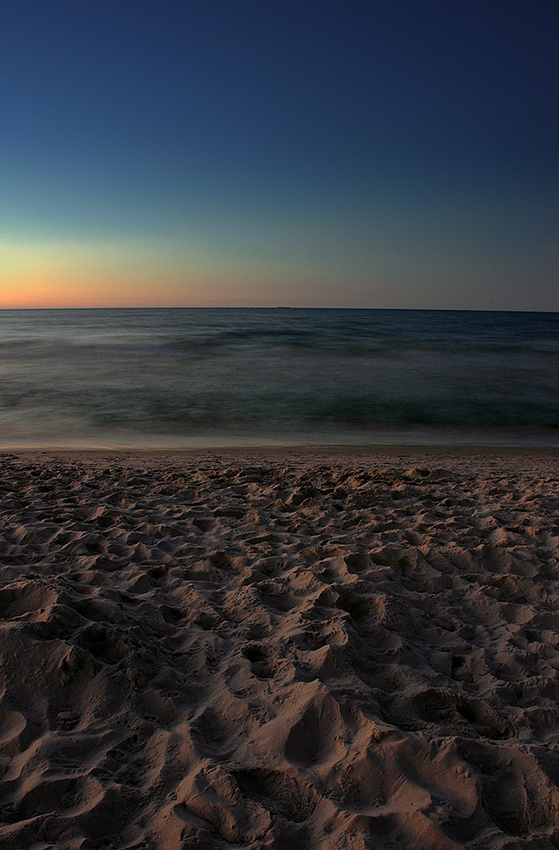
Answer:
(210, 653)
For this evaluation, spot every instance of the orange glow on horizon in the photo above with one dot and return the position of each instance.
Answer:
(52, 289)
(74, 275)
(39, 277)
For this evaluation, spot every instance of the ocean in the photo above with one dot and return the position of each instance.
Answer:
(186, 377)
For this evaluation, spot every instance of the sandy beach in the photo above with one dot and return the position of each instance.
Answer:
(322, 650)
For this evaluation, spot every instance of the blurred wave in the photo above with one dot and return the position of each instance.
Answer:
(177, 374)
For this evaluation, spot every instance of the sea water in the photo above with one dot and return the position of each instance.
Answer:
(203, 377)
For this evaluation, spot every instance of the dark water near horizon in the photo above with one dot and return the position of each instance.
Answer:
(182, 377)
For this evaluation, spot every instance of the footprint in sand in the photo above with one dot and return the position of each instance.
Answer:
(280, 793)
(26, 600)
(462, 714)
(213, 735)
(313, 738)
(260, 657)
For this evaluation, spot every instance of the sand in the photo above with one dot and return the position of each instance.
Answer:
(270, 650)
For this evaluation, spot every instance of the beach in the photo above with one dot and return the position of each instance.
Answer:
(322, 649)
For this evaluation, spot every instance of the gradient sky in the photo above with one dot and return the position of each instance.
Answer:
(309, 153)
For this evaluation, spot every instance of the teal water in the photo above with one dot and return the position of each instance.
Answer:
(182, 377)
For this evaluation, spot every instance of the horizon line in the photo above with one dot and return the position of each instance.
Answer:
(276, 307)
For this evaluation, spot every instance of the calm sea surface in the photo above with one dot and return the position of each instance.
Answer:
(183, 377)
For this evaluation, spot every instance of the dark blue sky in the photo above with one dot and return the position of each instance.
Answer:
(335, 153)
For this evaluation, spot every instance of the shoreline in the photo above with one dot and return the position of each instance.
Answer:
(381, 439)
(337, 453)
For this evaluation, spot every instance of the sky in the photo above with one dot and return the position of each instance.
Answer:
(310, 153)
